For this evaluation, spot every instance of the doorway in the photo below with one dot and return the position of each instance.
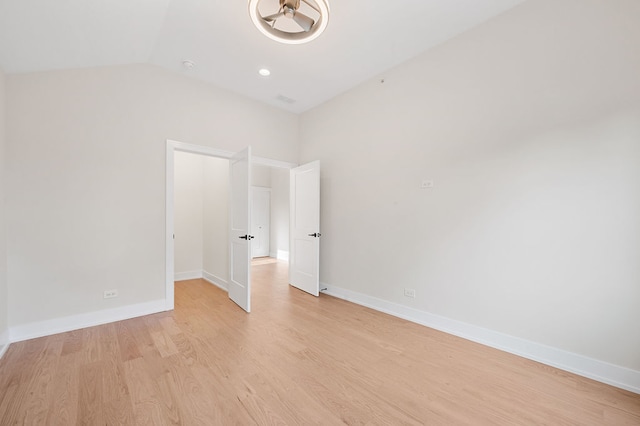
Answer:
(278, 168)
(270, 212)
(201, 218)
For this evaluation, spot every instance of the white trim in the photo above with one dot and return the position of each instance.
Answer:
(281, 255)
(89, 319)
(169, 227)
(188, 275)
(199, 149)
(273, 163)
(3, 349)
(4, 342)
(215, 280)
(221, 153)
(601, 371)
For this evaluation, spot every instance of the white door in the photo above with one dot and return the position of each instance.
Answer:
(239, 237)
(260, 218)
(304, 218)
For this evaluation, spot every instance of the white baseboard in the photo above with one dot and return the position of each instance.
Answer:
(3, 349)
(614, 375)
(188, 275)
(4, 342)
(281, 255)
(89, 319)
(217, 281)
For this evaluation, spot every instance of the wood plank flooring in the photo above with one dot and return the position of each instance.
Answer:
(295, 360)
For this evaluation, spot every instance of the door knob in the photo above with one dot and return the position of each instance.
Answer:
(315, 234)
(247, 237)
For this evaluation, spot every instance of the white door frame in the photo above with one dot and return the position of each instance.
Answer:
(171, 148)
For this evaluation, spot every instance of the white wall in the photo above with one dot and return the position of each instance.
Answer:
(261, 176)
(188, 213)
(85, 164)
(530, 127)
(216, 224)
(279, 244)
(4, 335)
(200, 216)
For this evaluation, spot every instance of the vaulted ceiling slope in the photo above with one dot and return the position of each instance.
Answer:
(364, 38)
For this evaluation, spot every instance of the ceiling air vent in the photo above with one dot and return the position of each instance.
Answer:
(286, 100)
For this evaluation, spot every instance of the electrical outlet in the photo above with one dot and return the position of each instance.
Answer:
(109, 294)
(427, 183)
(409, 292)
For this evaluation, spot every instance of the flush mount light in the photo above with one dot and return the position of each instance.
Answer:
(188, 64)
(264, 72)
(290, 21)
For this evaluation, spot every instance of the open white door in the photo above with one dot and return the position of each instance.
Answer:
(239, 222)
(304, 219)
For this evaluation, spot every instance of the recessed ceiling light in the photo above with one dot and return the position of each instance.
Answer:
(264, 72)
(290, 21)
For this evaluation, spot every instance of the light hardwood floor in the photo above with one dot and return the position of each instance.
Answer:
(294, 360)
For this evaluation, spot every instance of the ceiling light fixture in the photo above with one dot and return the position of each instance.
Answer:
(290, 21)
(264, 72)
(187, 64)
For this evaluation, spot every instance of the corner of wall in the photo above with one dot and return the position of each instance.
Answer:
(217, 281)
(4, 342)
(187, 275)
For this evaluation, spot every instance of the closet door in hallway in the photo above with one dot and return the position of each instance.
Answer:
(260, 221)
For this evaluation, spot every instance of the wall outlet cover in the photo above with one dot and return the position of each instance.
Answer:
(427, 183)
(109, 294)
(409, 292)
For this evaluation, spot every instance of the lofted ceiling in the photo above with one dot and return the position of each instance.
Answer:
(364, 38)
